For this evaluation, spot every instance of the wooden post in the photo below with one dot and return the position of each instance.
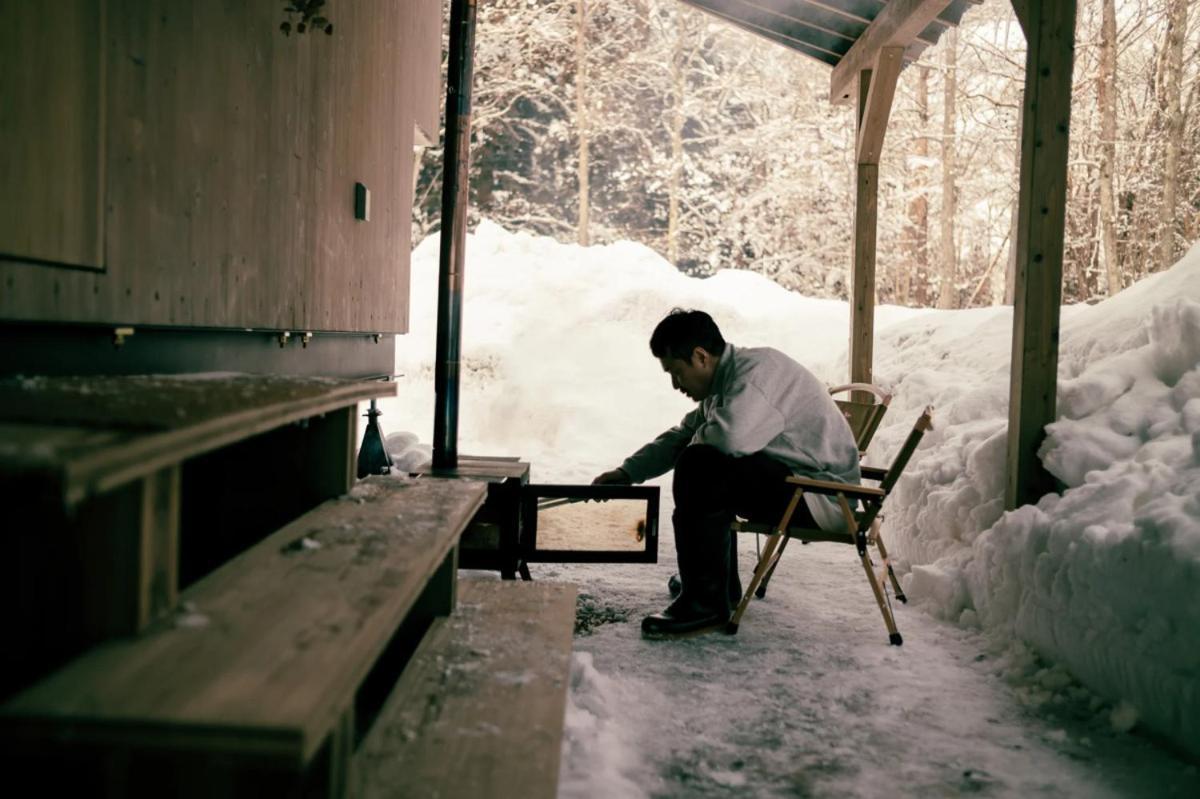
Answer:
(862, 279)
(128, 541)
(340, 775)
(1041, 210)
(876, 89)
(898, 24)
(330, 446)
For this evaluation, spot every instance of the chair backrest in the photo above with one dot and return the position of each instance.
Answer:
(862, 416)
(869, 508)
(924, 423)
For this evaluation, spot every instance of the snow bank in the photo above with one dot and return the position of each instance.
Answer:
(556, 364)
(612, 767)
(556, 368)
(1102, 579)
(1105, 577)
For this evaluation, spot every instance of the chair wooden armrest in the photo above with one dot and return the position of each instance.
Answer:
(832, 488)
(873, 472)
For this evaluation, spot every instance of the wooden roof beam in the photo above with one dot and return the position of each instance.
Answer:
(898, 25)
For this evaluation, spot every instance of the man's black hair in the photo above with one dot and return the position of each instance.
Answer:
(678, 335)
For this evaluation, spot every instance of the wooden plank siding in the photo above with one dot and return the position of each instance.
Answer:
(52, 132)
(231, 157)
(426, 82)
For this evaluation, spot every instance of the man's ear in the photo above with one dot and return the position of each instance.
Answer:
(701, 357)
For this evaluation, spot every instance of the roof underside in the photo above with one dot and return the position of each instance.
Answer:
(824, 29)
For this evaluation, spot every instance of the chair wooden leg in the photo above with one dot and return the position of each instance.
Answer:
(893, 633)
(762, 587)
(766, 562)
(878, 539)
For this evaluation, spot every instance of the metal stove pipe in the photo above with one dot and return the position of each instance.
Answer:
(455, 199)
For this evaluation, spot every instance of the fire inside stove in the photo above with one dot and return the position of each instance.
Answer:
(578, 522)
(614, 524)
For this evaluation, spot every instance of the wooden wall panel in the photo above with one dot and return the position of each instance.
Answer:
(424, 58)
(232, 157)
(52, 132)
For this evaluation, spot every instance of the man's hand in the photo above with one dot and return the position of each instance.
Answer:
(613, 477)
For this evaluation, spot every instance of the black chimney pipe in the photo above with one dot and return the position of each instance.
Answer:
(455, 199)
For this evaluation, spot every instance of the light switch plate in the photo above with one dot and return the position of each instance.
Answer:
(362, 202)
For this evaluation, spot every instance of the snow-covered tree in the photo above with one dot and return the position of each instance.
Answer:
(649, 120)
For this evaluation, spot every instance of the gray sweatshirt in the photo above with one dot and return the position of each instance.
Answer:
(763, 401)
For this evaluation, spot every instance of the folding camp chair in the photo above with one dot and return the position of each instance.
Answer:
(864, 409)
(862, 527)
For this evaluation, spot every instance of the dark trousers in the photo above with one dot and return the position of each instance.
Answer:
(710, 488)
(709, 482)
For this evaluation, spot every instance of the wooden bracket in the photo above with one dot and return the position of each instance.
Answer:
(876, 109)
(1021, 9)
(897, 25)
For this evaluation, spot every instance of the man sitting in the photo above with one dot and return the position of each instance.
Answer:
(761, 417)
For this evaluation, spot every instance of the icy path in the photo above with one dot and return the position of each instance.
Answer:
(809, 700)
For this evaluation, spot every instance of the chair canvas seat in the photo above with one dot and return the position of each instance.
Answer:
(805, 534)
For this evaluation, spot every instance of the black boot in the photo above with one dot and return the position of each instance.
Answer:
(701, 542)
(735, 582)
(675, 585)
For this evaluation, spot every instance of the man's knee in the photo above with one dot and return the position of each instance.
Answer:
(698, 459)
(699, 472)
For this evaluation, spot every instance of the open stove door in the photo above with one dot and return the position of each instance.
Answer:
(589, 524)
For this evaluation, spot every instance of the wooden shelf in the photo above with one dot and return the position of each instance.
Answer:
(267, 653)
(108, 480)
(89, 435)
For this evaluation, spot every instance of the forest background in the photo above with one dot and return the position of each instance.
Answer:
(648, 120)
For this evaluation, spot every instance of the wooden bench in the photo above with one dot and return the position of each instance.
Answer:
(479, 711)
(119, 490)
(272, 670)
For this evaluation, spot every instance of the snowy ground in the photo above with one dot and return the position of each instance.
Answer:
(1010, 612)
(809, 700)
